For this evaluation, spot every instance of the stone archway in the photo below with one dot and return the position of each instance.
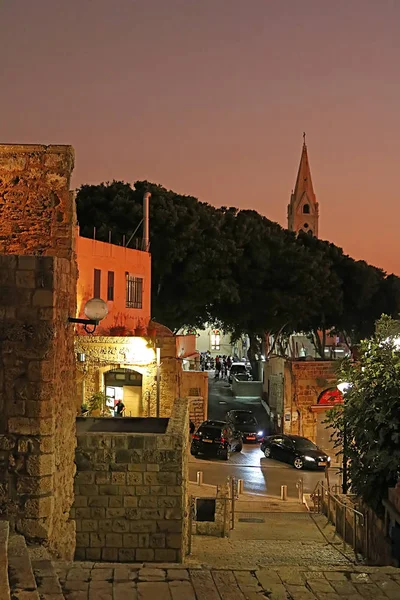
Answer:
(125, 384)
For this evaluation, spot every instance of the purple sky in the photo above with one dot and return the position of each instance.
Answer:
(210, 98)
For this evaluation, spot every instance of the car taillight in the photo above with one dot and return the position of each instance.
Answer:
(196, 437)
(220, 440)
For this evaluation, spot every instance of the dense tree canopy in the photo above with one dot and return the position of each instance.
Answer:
(237, 268)
(370, 416)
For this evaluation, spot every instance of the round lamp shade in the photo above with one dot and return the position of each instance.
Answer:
(96, 309)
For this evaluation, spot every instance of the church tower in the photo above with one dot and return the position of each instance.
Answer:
(303, 210)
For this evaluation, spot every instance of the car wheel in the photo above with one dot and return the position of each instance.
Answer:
(268, 452)
(298, 463)
(225, 454)
(239, 447)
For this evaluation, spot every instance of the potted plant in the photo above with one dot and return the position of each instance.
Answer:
(140, 330)
(96, 404)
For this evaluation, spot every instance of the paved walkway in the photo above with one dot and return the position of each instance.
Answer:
(102, 581)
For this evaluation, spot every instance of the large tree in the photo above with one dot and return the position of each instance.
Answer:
(237, 268)
(368, 423)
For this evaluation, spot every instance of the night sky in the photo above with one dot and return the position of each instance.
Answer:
(211, 97)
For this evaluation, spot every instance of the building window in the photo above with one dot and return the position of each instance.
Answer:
(134, 291)
(306, 209)
(96, 283)
(215, 340)
(110, 286)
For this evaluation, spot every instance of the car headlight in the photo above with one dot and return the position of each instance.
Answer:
(329, 459)
(260, 432)
(309, 458)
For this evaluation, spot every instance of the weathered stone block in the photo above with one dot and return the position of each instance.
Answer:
(173, 540)
(157, 540)
(130, 501)
(148, 502)
(109, 554)
(102, 478)
(165, 555)
(113, 540)
(34, 485)
(97, 540)
(85, 477)
(89, 525)
(134, 478)
(115, 502)
(92, 554)
(112, 513)
(40, 464)
(108, 490)
(119, 478)
(97, 513)
(130, 540)
(144, 554)
(89, 490)
(105, 525)
(39, 507)
(127, 555)
(101, 501)
(120, 526)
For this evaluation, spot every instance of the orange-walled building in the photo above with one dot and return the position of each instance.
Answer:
(141, 363)
(121, 277)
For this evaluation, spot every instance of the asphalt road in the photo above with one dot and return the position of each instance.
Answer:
(260, 475)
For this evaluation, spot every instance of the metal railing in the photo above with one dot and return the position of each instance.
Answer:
(323, 497)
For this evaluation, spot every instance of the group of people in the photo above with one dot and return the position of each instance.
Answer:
(222, 366)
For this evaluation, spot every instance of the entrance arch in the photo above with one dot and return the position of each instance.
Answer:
(126, 385)
(325, 437)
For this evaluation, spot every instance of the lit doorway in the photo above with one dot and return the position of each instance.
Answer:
(124, 385)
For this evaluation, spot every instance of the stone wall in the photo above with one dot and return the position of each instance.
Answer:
(36, 207)
(131, 499)
(195, 388)
(223, 515)
(37, 366)
(304, 381)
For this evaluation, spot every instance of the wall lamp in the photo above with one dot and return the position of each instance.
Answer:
(95, 310)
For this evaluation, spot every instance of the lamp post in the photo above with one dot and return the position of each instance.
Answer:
(95, 310)
(343, 387)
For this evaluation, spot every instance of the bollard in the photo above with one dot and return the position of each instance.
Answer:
(283, 492)
(240, 486)
(199, 477)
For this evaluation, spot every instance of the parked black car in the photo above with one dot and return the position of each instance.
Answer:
(245, 423)
(215, 438)
(296, 450)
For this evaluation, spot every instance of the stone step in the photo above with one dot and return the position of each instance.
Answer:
(47, 581)
(20, 574)
(4, 585)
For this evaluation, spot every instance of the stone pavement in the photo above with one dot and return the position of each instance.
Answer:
(108, 581)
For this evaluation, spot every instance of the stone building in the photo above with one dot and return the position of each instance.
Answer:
(37, 366)
(299, 394)
(303, 210)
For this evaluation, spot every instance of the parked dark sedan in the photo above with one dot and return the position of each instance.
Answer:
(215, 438)
(245, 423)
(296, 450)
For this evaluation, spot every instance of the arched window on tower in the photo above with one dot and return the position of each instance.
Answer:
(306, 209)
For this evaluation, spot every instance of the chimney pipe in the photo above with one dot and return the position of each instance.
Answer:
(146, 239)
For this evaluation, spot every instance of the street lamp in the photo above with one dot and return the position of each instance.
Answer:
(96, 310)
(343, 387)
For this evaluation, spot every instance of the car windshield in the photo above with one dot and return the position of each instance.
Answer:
(245, 419)
(305, 444)
(238, 368)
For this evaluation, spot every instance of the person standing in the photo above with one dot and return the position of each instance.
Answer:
(119, 409)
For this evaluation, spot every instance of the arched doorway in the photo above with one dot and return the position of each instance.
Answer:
(125, 385)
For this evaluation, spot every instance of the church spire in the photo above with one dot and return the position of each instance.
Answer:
(303, 207)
